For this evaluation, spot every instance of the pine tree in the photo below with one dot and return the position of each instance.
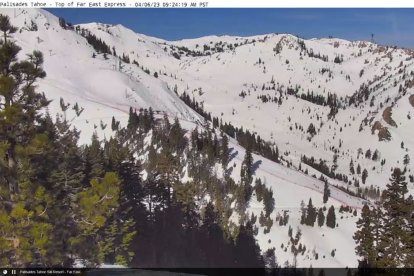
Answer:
(364, 175)
(133, 120)
(21, 105)
(321, 217)
(335, 163)
(409, 244)
(177, 139)
(394, 224)
(268, 201)
(311, 129)
(375, 155)
(224, 151)
(311, 214)
(247, 250)
(351, 167)
(123, 224)
(62, 22)
(94, 163)
(5, 27)
(22, 140)
(66, 177)
(377, 218)
(96, 205)
(213, 233)
(330, 217)
(364, 238)
(326, 192)
(303, 213)
(368, 154)
(406, 160)
(114, 124)
(246, 174)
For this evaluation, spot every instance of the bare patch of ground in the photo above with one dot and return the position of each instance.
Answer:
(411, 99)
(383, 132)
(386, 115)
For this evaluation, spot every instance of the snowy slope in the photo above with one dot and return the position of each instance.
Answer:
(104, 90)
(223, 67)
(223, 76)
(93, 83)
(289, 188)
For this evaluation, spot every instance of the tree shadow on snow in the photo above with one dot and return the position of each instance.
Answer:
(233, 154)
(229, 171)
(256, 165)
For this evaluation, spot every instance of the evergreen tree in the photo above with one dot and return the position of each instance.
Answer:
(94, 159)
(125, 222)
(5, 27)
(409, 244)
(335, 163)
(351, 167)
(377, 218)
(114, 124)
(96, 205)
(326, 192)
(364, 238)
(213, 234)
(268, 201)
(224, 151)
(24, 193)
(66, 178)
(303, 212)
(311, 214)
(330, 217)
(364, 175)
(246, 174)
(247, 250)
(368, 154)
(62, 22)
(394, 224)
(375, 155)
(311, 129)
(177, 139)
(321, 217)
(406, 160)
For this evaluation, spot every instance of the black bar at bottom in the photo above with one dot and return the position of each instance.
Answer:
(204, 271)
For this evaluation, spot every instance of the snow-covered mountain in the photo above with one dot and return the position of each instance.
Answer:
(255, 83)
(237, 78)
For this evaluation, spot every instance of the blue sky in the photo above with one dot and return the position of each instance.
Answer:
(389, 26)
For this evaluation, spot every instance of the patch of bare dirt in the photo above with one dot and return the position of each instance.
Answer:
(383, 132)
(386, 115)
(411, 99)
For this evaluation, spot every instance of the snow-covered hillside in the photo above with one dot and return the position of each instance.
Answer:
(238, 78)
(94, 83)
(232, 76)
